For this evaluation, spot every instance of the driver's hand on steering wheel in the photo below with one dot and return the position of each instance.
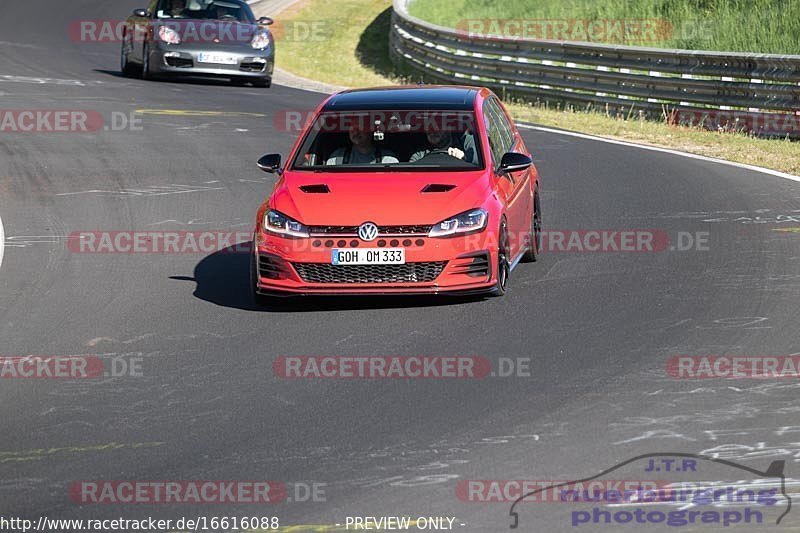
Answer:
(455, 152)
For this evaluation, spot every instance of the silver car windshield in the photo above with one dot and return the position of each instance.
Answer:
(225, 10)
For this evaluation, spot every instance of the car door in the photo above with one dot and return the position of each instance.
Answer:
(514, 185)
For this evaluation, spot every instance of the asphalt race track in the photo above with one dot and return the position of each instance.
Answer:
(598, 327)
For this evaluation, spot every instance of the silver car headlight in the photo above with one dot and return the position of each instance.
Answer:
(168, 35)
(260, 40)
(466, 222)
(277, 222)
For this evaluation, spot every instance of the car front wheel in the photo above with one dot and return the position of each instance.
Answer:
(146, 74)
(503, 267)
(124, 63)
(535, 236)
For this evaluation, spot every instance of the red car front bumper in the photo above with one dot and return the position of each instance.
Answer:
(458, 265)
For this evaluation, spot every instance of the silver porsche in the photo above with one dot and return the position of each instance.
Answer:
(217, 38)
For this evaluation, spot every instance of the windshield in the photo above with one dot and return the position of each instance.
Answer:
(228, 10)
(395, 140)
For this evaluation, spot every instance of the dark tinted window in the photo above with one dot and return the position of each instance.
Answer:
(392, 139)
(495, 138)
(504, 127)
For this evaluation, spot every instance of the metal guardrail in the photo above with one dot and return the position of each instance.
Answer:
(758, 93)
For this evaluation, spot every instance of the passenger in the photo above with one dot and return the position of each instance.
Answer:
(447, 142)
(361, 151)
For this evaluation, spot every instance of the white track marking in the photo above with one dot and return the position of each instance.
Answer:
(150, 190)
(23, 241)
(2, 241)
(45, 81)
(664, 150)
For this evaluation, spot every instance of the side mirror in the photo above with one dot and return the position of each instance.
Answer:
(266, 21)
(141, 13)
(514, 162)
(270, 163)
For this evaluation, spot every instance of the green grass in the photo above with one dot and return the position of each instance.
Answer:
(351, 47)
(764, 26)
(776, 154)
(355, 52)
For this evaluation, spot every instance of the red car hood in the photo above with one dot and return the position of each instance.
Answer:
(385, 198)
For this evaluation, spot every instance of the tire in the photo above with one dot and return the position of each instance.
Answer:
(535, 235)
(146, 74)
(259, 300)
(263, 84)
(503, 268)
(124, 63)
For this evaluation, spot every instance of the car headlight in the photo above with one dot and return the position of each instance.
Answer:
(260, 40)
(277, 222)
(466, 222)
(168, 35)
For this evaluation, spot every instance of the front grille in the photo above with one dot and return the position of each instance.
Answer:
(408, 273)
(252, 65)
(179, 62)
(352, 231)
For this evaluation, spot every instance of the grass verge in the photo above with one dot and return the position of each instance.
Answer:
(351, 48)
(765, 26)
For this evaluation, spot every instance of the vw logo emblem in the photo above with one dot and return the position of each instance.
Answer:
(368, 231)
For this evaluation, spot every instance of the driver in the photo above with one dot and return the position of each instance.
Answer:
(445, 142)
(361, 151)
(177, 8)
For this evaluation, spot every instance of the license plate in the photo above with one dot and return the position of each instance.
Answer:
(368, 256)
(220, 59)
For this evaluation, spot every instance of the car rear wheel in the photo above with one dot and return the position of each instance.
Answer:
(503, 267)
(535, 237)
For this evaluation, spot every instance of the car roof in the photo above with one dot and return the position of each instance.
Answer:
(406, 97)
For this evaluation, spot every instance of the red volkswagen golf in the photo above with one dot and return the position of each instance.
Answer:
(401, 190)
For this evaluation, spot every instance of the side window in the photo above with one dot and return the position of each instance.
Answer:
(506, 133)
(162, 8)
(495, 138)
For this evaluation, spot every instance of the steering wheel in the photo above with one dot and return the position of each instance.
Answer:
(228, 17)
(437, 156)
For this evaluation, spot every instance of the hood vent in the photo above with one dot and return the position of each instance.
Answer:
(315, 189)
(438, 187)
